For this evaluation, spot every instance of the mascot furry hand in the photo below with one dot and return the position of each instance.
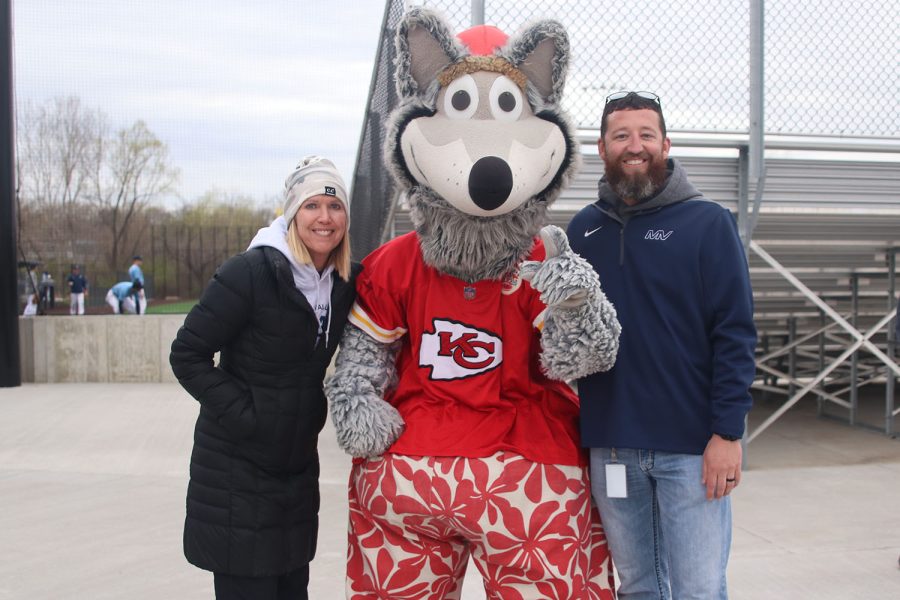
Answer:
(467, 328)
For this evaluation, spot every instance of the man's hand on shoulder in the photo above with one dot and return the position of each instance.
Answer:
(721, 466)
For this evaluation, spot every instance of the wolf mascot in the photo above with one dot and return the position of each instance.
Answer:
(450, 388)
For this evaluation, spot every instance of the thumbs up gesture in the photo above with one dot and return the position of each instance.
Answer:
(563, 279)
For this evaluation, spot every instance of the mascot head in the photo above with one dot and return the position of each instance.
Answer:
(479, 139)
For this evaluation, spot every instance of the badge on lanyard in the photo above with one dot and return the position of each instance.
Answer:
(616, 478)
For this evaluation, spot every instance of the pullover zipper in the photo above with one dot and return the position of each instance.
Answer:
(622, 223)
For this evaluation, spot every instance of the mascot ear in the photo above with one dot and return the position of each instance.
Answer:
(425, 46)
(541, 51)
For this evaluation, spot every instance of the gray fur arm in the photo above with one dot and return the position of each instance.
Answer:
(581, 331)
(576, 342)
(366, 425)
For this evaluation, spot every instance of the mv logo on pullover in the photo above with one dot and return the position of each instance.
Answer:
(657, 234)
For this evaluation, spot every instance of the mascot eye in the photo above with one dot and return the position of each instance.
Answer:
(506, 99)
(461, 98)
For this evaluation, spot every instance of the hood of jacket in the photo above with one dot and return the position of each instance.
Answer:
(315, 286)
(677, 188)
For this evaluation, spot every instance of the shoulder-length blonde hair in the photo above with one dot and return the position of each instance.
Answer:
(339, 258)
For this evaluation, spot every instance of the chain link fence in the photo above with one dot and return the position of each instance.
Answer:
(830, 70)
(831, 67)
(372, 187)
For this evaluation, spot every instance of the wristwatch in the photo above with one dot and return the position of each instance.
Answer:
(729, 438)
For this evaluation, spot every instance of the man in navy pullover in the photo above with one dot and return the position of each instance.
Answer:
(664, 424)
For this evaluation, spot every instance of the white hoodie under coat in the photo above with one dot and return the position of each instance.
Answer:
(315, 287)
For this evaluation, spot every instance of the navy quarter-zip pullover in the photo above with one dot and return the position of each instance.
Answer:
(675, 269)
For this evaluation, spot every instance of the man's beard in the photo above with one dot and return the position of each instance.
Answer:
(636, 186)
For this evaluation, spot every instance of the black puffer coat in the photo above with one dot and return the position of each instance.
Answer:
(253, 497)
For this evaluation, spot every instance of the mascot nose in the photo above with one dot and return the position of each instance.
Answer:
(490, 182)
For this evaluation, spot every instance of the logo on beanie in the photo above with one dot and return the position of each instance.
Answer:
(329, 191)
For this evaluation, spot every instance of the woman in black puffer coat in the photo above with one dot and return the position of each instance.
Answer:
(276, 313)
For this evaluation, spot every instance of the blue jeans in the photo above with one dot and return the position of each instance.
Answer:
(666, 539)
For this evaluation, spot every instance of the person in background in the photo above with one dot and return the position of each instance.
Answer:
(78, 289)
(664, 424)
(32, 298)
(276, 313)
(135, 273)
(48, 290)
(31, 306)
(124, 298)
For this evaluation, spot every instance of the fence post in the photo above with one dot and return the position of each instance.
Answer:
(10, 359)
(166, 257)
(757, 143)
(757, 89)
(477, 12)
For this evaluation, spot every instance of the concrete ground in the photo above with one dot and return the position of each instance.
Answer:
(93, 476)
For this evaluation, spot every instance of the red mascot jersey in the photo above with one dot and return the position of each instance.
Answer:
(470, 382)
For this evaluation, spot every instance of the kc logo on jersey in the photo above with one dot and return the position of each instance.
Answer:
(456, 350)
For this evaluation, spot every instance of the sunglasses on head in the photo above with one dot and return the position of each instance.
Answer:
(624, 94)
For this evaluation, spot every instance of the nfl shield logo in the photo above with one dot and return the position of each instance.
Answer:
(469, 292)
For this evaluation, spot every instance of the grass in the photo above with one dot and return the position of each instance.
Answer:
(170, 308)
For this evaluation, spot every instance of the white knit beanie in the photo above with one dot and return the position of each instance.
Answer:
(314, 176)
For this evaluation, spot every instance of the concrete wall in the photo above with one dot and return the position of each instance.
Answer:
(101, 348)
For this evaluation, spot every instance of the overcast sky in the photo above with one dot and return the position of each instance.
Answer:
(239, 90)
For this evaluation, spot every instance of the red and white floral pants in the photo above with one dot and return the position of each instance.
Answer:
(530, 528)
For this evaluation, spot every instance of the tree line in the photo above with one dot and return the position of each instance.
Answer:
(91, 194)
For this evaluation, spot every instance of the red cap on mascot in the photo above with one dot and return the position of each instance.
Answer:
(482, 40)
